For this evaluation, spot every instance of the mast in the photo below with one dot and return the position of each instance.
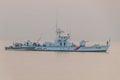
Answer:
(57, 34)
(58, 30)
(56, 20)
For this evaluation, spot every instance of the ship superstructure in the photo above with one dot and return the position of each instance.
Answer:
(61, 43)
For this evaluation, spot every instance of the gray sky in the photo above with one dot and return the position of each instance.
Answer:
(85, 19)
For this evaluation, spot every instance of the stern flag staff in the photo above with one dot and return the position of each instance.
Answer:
(108, 42)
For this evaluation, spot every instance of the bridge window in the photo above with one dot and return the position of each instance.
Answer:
(64, 44)
(60, 44)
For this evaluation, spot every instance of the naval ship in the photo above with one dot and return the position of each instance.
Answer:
(63, 43)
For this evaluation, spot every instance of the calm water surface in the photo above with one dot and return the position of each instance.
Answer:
(30, 65)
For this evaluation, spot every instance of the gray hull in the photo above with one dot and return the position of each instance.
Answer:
(20, 48)
(74, 49)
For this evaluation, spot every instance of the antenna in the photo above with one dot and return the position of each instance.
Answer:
(56, 20)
